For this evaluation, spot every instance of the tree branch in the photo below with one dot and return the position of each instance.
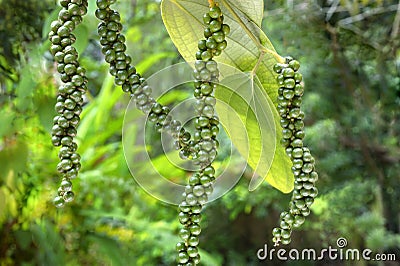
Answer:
(396, 24)
(366, 14)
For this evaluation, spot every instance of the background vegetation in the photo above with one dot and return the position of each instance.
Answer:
(351, 62)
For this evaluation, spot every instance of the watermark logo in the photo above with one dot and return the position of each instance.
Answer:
(341, 242)
(339, 252)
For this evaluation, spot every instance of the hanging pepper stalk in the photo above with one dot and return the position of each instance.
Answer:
(289, 102)
(113, 48)
(203, 147)
(200, 184)
(69, 96)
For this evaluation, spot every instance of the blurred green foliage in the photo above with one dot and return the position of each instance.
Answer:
(351, 63)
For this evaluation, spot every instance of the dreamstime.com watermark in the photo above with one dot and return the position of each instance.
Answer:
(340, 252)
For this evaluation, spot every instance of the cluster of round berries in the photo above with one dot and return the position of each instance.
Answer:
(289, 101)
(113, 48)
(215, 34)
(69, 99)
(202, 148)
(207, 127)
(195, 196)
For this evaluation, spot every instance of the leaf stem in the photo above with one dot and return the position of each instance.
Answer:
(260, 58)
(260, 47)
(278, 58)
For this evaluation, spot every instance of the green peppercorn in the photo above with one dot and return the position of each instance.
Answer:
(226, 29)
(221, 46)
(215, 12)
(215, 26)
(206, 18)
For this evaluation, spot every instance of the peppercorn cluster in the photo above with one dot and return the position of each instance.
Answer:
(201, 147)
(289, 101)
(204, 151)
(113, 45)
(70, 94)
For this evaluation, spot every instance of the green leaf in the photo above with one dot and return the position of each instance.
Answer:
(3, 207)
(13, 157)
(110, 248)
(45, 109)
(163, 165)
(254, 133)
(82, 38)
(149, 61)
(47, 23)
(25, 89)
(97, 115)
(9, 204)
(6, 118)
(250, 51)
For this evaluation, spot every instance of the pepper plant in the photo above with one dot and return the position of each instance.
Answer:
(209, 35)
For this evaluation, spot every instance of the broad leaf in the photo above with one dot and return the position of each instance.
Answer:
(243, 92)
(250, 51)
